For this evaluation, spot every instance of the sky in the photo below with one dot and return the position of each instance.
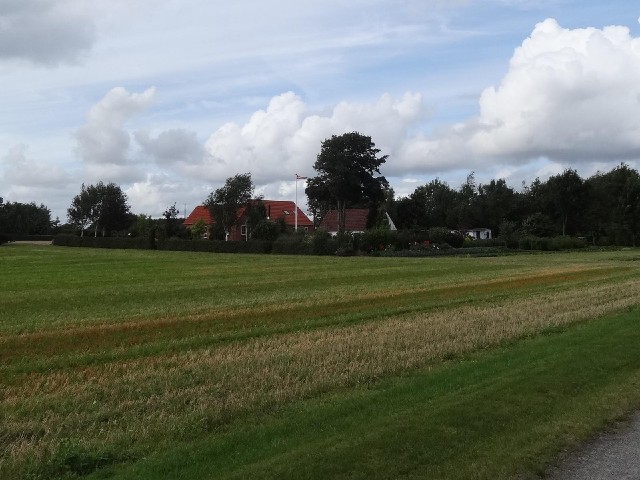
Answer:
(169, 98)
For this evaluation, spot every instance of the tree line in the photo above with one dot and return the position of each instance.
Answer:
(604, 208)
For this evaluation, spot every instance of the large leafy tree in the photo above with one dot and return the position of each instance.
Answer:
(566, 198)
(102, 205)
(24, 218)
(225, 202)
(348, 173)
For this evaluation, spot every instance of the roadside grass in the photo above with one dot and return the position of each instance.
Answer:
(494, 414)
(109, 356)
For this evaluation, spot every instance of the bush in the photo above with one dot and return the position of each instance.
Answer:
(292, 245)
(531, 242)
(101, 242)
(377, 240)
(442, 235)
(322, 243)
(215, 246)
(266, 230)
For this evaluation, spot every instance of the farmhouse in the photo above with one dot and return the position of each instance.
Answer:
(277, 210)
(355, 221)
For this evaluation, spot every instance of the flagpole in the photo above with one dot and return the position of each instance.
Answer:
(297, 177)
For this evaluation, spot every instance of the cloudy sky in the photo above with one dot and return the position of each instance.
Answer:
(169, 98)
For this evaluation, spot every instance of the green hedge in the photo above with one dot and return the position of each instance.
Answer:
(215, 246)
(551, 243)
(292, 245)
(102, 242)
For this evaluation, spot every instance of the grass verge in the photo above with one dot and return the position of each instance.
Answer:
(494, 414)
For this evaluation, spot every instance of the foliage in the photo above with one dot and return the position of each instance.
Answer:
(444, 236)
(292, 245)
(377, 240)
(172, 224)
(322, 243)
(24, 218)
(103, 206)
(138, 243)
(199, 228)
(346, 167)
(266, 230)
(215, 246)
(225, 202)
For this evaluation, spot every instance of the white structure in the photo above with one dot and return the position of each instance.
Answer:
(478, 233)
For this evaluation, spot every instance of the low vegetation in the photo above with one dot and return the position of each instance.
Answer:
(133, 364)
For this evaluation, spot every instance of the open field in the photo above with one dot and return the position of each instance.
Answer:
(143, 364)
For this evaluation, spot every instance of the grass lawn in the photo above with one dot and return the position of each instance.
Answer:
(142, 364)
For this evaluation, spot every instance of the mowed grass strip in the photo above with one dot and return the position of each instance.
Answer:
(150, 403)
(44, 289)
(494, 415)
(198, 330)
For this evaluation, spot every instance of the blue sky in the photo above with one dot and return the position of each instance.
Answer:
(170, 98)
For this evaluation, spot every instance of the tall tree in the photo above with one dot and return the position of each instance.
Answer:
(566, 197)
(225, 202)
(346, 174)
(25, 218)
(103, 206)
(84, 208)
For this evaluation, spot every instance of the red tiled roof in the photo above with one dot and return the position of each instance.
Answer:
(199, 212)
(275, 209)
(285, 209)
(355, 220)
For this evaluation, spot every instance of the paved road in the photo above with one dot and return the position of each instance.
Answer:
(610, 456)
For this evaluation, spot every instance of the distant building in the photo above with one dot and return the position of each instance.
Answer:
(478, 233)
(276, 210)
(355, 221)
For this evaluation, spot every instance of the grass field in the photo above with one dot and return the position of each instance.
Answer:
(143, 364)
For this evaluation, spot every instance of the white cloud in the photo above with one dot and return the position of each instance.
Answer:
(171, 146)
(21, 171)
(285, 138)
(45, 32)
(103, 143)
(570, 95)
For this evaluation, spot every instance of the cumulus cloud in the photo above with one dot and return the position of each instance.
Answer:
(21, 171)
(285, 138)
(46, 32)
(570, 95)
(171, 146)
(103, 143)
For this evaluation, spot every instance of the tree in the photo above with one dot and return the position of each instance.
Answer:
(103, 206)
(199, 228)
(173, 226)
(25, 218)
(346, 166)
(225, 202)
(566, 195)
(84, 208)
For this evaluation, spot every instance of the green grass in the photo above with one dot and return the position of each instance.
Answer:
(126, 364)
(491, 415)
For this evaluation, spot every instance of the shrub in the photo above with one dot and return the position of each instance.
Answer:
(215, 246)
(292, 245)
(441, 235)
(101, 242)
(266, 230)
(322, 243)
(377, 240)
